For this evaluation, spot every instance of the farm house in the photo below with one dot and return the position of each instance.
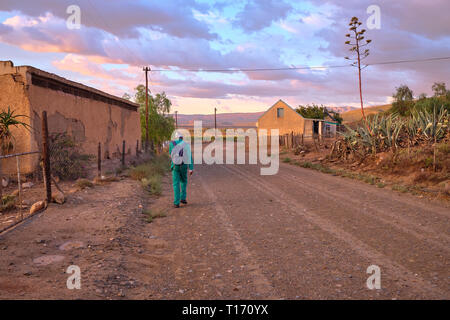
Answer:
(283, 117)
(89, 115)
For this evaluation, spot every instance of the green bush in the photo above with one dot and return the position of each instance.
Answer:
(150, 173)
(66, 159)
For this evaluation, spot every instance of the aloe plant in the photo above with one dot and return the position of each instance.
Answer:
(7, 120)
(384, 133)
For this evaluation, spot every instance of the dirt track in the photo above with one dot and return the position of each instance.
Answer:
(298, 235)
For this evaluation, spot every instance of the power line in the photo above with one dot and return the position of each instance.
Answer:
(298, 68)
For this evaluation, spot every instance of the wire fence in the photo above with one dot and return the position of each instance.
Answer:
(11, 202)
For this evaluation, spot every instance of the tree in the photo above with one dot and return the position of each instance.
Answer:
(357, 36)
(422, 96)
(161, 125)
(403, 100)
(403, 93)
(312, 111)
(439, 89)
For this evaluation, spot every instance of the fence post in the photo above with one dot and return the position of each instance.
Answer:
(46, 158)
(123, 153)
(1, 181)
(20, 188)
(99, 160)
(292, 140)
(137, 148)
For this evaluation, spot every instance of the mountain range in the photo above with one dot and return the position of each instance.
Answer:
(229, 120)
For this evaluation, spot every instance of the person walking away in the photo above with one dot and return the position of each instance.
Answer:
(181, 165)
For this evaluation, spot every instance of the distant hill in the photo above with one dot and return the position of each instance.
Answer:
(230, 120)
(341, 109)
(224, 120)
(355, 115)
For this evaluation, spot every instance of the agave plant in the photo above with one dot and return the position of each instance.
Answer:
(432, 125)
(7, 120)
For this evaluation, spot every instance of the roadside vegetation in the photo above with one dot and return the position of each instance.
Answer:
(161, 124)
(8, 120)
(406, 148)
(151, 215)
(68, 162)
(150, 174)
(423, 123)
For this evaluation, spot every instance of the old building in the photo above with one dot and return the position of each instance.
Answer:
(90, 116)
(283, 117)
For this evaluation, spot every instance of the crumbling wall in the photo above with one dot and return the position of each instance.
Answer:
(87, 114)
(89, 121)
(13, 90)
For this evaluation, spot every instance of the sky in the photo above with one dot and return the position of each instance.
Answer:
(117, 38)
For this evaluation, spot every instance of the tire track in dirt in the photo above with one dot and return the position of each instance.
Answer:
(403, 274)
(409, 250)
(262, 284)
(401, 224)
(382, 195)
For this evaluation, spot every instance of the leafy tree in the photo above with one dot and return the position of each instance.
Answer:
(318, 112)
(356, 37)
(161, 125)
(422, 96)
(312, 111)
(439, 89)
(403, 101)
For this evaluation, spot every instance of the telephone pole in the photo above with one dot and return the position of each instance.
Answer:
(215, 120)
(146, 69)
(176, 119)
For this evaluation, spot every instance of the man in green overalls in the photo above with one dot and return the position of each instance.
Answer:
(181, 160)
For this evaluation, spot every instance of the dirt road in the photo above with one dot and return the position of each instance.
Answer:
(299, 234)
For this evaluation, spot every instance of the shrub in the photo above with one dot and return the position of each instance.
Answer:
(67, 160)
(84, 183)
(150, 215)
(150, 173)
(8, 202)
(152, 184)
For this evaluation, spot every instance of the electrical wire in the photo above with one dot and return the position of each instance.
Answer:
(298, 68)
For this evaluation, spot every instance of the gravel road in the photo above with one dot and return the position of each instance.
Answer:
(300, 234)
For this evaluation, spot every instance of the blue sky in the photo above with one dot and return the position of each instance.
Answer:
(117, 38)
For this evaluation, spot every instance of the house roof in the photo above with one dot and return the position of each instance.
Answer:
(285, 105)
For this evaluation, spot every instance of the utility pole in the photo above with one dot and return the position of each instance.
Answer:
(176, 119)
(215, 120)
(146, 69)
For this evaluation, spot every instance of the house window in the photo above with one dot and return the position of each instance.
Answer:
(280, 112)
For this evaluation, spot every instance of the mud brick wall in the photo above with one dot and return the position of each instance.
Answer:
(89, 115)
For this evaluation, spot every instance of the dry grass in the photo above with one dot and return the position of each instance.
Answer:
(152, 215)
(8, 202)
(83, 184)
(150, 173)
(355, 115)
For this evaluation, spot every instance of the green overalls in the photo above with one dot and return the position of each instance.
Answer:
(180, 174)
